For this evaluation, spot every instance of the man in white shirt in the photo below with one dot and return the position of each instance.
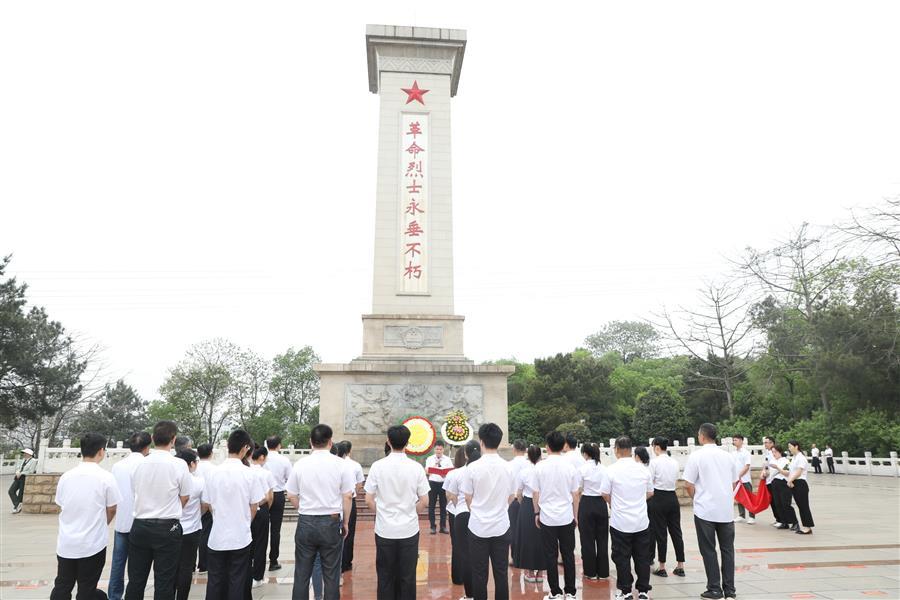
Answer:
(280, 466)
(816, 461)
(627, 488)
(711, 476)
(571, 452)
(321, 488)
(518, 462)
(204, 467)
(556, 484)
(162, 485)
(665, 513)
(122, 471)
(396, 490)
(233, 493)
(828, 453)
(259, 529)
(437, 466)
(358, 478)
(87, 496)
(489, 489)
(742, 460)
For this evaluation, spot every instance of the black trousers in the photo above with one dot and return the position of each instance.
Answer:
(229, 572)
(513, 512)
(276, 517)
(83, 571)
(189, 544)
(628, 547)
(741, 510)
(817, 464)
(800, 493)
(495, 550)
(455, 559)
(462, 556)
(395, 563)
(347, 556)
(437, 495)
(559, 540)
(830, 461)
(156, 543)
(593, 530)
(17, 490)
(665, 517)
(259, 532)
(707, 533)
(206, 520)
(781, 498)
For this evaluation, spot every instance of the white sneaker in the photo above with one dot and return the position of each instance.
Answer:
(750, 520)
(571, 597)
(739, 519)
(620, 595)
(776, 524)
(643, 596)
(258, 583)
(553, 597)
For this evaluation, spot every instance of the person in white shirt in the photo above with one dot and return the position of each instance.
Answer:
(280, 466)
(593, 516)
(458, 553)
(87, 496)
(396, 490)
(516, 464)
(828, 453)
(556, 483)
(204, 468)
(233, 493)
(139, 444)
(627, 488)
(437, 466)
(531, 554)
(776, 474)
(347, 554)
(711, 476)
(571, 452)
(816, 461)
(259, 529)
(665, 513)
(191, 526)
(488, 490)
(321, 488)
(462, 549)
(742, 459)
(162, 485)
(796, 481)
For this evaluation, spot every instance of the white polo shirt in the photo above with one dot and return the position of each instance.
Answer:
(280, 467)
(741, 460)
(814, 452)
(190, 514)
(713, 473)
(575, 458)
(799, 463)
(444, 462)
(319, 481)
(264, 479)
(397, 482)
(158, 482)
(664, 473)
(488, 481)
(627, 484)
(773, 474)
(451, 486)
(123, 471)
(230, 490)
(357, 471)
(592, 477)
(205, 467)
(83, 495)
(556, 479)
(525, 481)
(517, 464)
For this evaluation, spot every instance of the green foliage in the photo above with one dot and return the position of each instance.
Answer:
(630, 340)
(525, 423)
(117, 413)
(518, 381)
(660, 411)
(581, 431)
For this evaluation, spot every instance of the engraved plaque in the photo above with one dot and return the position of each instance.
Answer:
(372, 408)
(413, 337)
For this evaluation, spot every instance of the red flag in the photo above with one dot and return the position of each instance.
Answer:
(755, 503)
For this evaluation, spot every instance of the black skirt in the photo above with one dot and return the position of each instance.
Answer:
(531, 546)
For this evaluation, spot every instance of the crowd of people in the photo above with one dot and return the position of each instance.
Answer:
(172, 506)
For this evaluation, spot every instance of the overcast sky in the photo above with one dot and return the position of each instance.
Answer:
(176, 171)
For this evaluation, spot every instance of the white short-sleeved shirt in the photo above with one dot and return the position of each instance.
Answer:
(575, 458)
(83, 495)
(319, 481)
(742, 459)
(230, 490)
(205, 467)
(556, 479)
(280, 467)
(664, 473)
(627, 484)
(773, 474)
(123, 471)
(814, 452)
(397, 482)
(525, 481)
(264, 479)
(713, 473)
(799, 463)
(159, 482)
(451, 485)
(488, 481)
(517, 464)
(190, 514)
(357, 471)
(445, 462)
(828, 452)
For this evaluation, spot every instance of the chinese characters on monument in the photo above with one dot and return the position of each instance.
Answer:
(414, 193)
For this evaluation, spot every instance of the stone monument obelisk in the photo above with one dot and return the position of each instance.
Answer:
(412, 361)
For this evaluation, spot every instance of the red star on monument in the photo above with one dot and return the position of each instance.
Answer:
(414, 93)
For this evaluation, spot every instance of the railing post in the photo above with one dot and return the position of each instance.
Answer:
(845, 457)
(869, 463)
(894, 464)
(42, 454)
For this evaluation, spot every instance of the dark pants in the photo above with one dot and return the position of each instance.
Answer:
(347, 554)
(781, 498)
(17, 490)
(559, 540)
(461, 552)
(206, 520)
(665, 517)
(189, 544)
(395, 563)
(259, 531)
(707, 533)
(156, 543)
(455, 557)
(83, 571)
(800, 493)
(626, 547)
(276, 516)
(317, 534)
(513, 512)
(437, 494)
(593, 529)
(830, 462)
(229, 571)
(741, 509)
(817, 464)
(495, 550)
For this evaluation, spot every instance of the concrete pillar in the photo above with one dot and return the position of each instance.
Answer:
(869, 463)
(119, 444)
(676, 443)
(894, 464)
(67, 443)
(846, 462)
(42, 454)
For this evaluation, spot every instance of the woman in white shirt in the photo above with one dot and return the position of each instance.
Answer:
(776, 473)
(451, 488)
(461, 555)
(593, 516)
(531, 545)
(799, 488)
(191, 526)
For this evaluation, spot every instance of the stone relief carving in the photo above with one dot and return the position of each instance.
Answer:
(415, 64)
(372, 408)
(413, 337)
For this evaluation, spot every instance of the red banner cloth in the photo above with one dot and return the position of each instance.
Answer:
(755, 503)
(441, 472)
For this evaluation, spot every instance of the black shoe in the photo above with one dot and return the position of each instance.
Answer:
(712, 595)
(795, 527)
(433, 530)
(801, 532)
(783, 526)
(678, 571)
(660, 573)
(445, 530)
(274, 566)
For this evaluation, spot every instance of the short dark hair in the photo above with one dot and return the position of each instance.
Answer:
(662, 442)
(439, 443)
(490, 435)
(555, 441)
(770, 438)
(473, 451)
(571, 440)
(320, 435)
(795, 443)
(238, 440)
(387, 448)
(259, 451)
(348, 446)
(182, 441)
(273, 441)
(164, 432)
(205, 450)
(459, 459)
(398, 435)
(520, 445)
(187, 455)
(624, 443)
(709, 431)
(778, 448)
(340, 449)
(91, 444)
(534, 454)
(737, 436)
(138, 441)
(641, 453)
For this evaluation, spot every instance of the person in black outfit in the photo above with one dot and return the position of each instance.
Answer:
(204, 453)
(593, 516)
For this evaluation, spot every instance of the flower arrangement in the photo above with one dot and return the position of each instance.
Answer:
(422, 435)
(456, 431)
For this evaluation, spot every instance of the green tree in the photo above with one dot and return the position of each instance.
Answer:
(518, 382)
(629, 339)
(660, 411)
(294, 383)
(525, 423)
(116, 413)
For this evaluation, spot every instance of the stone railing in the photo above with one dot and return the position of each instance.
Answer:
(40, 490)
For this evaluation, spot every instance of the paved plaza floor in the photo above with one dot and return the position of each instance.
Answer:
(854, 553)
